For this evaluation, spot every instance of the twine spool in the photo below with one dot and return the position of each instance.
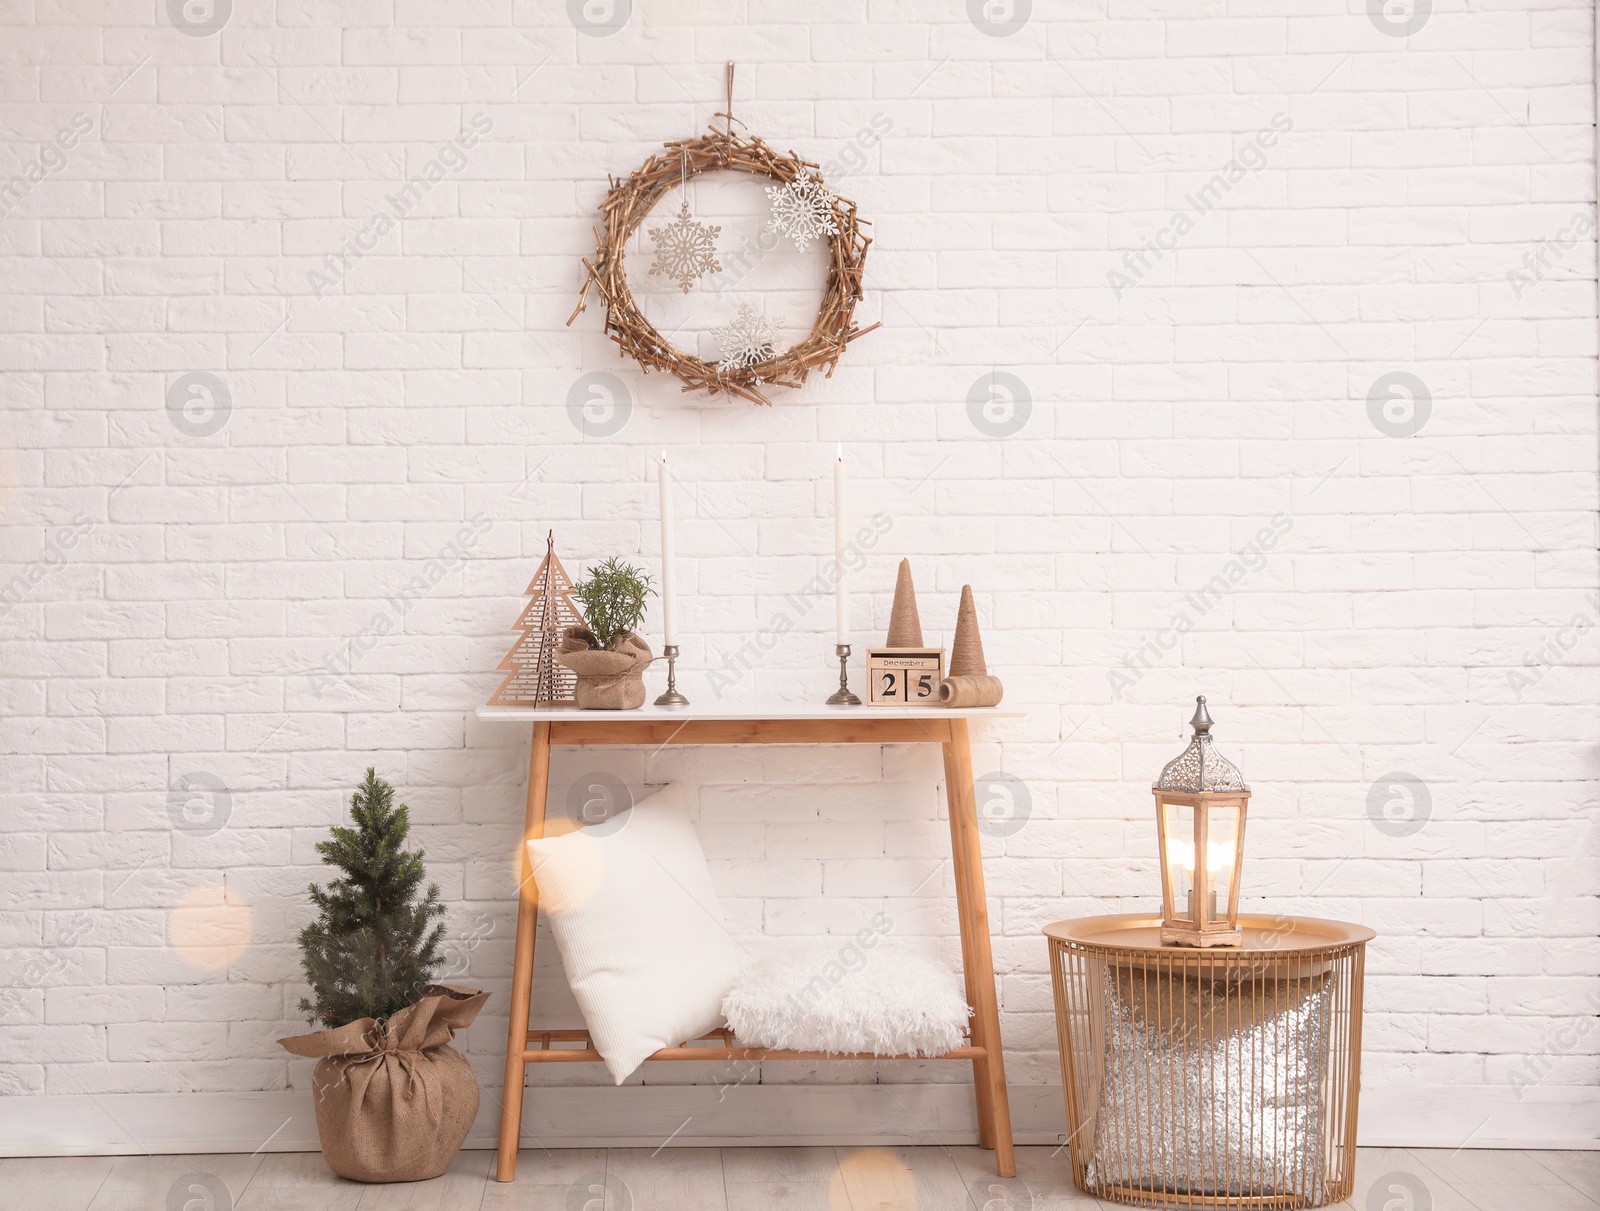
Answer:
(978, 689)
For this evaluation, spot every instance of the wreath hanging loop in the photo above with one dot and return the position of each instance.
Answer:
(630, 202)
(727, 114)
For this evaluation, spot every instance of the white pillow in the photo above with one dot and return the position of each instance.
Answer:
(845, 995)
(639, 929)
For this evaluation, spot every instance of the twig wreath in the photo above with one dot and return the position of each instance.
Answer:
(630, 202)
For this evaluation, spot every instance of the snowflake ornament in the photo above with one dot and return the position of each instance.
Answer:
(685, 249)
(802, 210)
(747, 341)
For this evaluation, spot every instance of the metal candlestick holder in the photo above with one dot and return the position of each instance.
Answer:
(842, 696)
(671, 697)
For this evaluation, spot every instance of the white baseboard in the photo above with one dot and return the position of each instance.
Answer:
(706, 1116)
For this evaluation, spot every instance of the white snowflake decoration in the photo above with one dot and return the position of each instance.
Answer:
(748, 340)
(685, 249)
(802, 210)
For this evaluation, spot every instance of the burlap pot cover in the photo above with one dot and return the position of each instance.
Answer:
(608, 680)
(395, 1102)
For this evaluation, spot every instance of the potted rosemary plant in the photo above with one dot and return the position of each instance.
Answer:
(608, 655)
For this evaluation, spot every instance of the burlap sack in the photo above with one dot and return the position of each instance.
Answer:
(607, 680)
(395, 1103)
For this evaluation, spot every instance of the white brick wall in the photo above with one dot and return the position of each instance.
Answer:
(188, 584)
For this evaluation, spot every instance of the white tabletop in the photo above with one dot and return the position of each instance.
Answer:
(738, 711)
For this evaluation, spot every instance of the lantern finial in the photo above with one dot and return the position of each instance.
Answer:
(1200, 767)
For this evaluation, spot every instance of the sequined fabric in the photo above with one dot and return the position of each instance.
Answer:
(1212, 1086)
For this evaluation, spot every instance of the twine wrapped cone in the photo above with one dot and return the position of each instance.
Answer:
(395, 1102)
(978, 689)
(905, 628)
(969, 683)
(608, 680)
(966, 654)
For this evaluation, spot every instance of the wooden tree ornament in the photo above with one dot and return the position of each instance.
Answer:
(535, 678)
(629, 204)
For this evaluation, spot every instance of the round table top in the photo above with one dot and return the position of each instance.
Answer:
(1275, 935)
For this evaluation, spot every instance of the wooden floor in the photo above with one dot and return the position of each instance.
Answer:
(745, 1179)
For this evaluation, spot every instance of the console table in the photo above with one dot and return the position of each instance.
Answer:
(662, 726)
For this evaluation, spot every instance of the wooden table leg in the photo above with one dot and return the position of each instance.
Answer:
(969, 968)
(977, 957)
(522, 965)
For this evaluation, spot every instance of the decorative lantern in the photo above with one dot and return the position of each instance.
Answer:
(1200, 806)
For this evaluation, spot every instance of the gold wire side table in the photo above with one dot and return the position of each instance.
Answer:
(1224, 1077)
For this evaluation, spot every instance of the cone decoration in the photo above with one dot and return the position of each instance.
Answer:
(535, 677)
(966, 654)
(969, 683)
(905, 628)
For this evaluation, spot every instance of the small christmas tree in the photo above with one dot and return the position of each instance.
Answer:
(373, 951)
(536, 679)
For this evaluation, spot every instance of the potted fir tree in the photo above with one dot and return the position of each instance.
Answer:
(608, 655)
(394, 1101)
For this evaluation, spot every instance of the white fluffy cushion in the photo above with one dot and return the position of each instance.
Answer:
(849, 995)
(639, 929)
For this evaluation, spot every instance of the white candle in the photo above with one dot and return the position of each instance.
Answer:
(668, 635)
(841, 524)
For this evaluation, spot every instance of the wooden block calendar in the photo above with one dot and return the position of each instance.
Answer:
(904, 676)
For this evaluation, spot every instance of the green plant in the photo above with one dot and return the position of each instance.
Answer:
(613, 601)
(372, 950)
